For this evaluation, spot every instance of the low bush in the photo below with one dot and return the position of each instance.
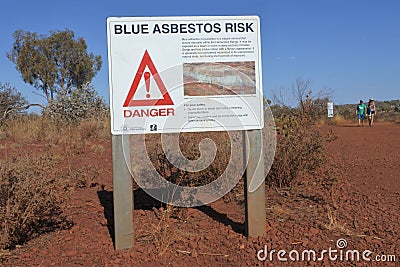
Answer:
(31, 197)
(299, 150)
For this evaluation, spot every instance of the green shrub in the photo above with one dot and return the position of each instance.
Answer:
(10, 98)
(76, 105)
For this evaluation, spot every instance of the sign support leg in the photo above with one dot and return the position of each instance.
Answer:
(123, 194)
(255, 221)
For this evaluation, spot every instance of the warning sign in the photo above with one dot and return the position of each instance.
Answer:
(165, 100)
(184, 74)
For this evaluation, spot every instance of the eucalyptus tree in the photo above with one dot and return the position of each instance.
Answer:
(53, 64)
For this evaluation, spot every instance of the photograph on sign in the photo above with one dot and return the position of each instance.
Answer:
(184, 74)
(223, 78)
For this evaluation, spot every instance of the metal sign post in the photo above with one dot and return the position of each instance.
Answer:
(122, 195)
(255, 217)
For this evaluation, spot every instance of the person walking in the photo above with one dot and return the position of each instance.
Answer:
(371, 111)
(360, 111)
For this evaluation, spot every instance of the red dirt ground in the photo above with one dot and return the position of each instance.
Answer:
(361, 206)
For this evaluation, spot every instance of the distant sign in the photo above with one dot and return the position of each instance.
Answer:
(184, 74)
(330, 109)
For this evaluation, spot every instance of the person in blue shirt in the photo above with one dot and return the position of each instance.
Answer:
(361, 110)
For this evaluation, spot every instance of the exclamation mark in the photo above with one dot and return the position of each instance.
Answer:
(147, 82)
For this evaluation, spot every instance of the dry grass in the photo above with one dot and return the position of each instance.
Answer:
(93, 128)
(165, 232)
(281, 210)
(340, 120)
(33, 129)
(334, 224)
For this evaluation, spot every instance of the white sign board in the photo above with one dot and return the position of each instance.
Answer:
(330, 109)
(184, 74)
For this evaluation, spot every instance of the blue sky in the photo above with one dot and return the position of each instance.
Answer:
(350, 46)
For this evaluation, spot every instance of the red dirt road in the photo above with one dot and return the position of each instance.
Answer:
(361, 206)
(374, 152)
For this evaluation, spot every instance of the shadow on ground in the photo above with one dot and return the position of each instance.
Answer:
(222, 218)
(143, 201)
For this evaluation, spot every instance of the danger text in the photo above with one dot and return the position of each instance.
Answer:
(161, 112)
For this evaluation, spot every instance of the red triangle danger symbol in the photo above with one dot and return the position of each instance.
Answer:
(166, 100)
